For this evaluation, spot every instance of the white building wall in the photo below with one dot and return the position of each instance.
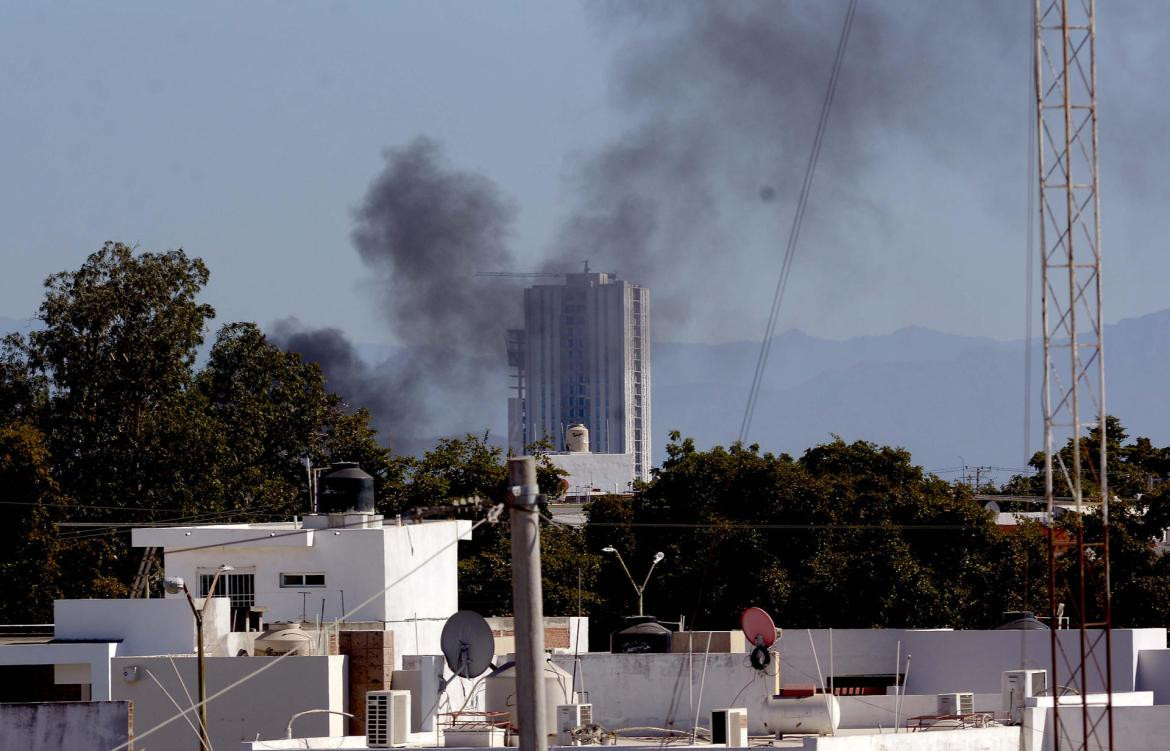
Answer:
(360, 563)
(262, 705)
(153, 626)
(75, 661)
(651, 689)
(65, 725)
(969, 739)
(945, 660)
(1153, 674)
(433, 590)
(1135, 728)
(608, 473)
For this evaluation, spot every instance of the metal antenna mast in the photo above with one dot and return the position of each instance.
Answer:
(1074, 364)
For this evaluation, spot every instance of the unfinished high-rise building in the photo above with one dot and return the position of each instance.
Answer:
(583, 356)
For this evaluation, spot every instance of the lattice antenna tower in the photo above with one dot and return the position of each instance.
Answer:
(1074, 363)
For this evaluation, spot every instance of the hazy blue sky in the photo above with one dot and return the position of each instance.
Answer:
(246, 133)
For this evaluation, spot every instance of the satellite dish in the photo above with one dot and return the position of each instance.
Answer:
(758, 627)
(468, 644)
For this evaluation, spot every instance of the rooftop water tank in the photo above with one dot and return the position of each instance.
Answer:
(283, 637)
(577, 439)
(345, 488)
(645, 635)
(813, 715)
(500, 693)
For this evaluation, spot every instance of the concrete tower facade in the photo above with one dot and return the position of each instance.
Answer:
(584, 357)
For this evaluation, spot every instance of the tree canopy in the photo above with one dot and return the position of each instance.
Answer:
(107, 418)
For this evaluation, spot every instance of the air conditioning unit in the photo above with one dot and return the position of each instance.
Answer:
(387, 718)
(956, 704)
(569, 718)
(1017, 686)
(729, 727)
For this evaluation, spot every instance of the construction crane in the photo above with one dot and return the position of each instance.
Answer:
(1065, 76)
(520, 273)
(529, 273)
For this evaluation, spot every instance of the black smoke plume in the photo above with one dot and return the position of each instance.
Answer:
(694, 199)
(423, 230)
(347, 373)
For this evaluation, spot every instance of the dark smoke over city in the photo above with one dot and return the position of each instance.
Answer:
(423, 230)
(692, 199)
(723, 100)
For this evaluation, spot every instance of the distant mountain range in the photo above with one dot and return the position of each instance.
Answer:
(951, 400)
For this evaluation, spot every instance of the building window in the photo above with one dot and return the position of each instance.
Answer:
(302, 580)
(238, 586)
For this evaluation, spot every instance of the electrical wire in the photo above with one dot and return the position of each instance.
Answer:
(1029, 246)
(84, 506)
(797, 221)
(279, 658)
(755, 677)
(104, 530)
(794, 527)
(492, 514)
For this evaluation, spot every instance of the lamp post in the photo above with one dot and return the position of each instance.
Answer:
(174, 585)
(657, 558)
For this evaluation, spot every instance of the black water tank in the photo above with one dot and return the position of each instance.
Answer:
(1021, 620)
(645, 636)
(345, 488)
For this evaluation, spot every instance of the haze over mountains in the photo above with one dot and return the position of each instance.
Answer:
(949, 399)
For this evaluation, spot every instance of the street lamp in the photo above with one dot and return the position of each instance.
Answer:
(174, 585)
(657, 558)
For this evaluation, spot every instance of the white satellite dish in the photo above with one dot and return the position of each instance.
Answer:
(468, 644)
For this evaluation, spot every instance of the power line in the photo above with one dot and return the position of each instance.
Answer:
(797, 221)
(794, 527)
(1029, 248)
(107, 528)
(419, 514)
(85, 506)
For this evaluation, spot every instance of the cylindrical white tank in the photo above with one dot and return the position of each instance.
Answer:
(282, 637)
(806, 715)
(577, 439)
(500, 693)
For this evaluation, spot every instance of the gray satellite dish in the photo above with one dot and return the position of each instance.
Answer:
(468, 644)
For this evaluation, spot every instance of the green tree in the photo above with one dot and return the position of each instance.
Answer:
(134, 434)
(851, 534)
(1139, 513)
(106, 379)
(31, 565)
(270, 411)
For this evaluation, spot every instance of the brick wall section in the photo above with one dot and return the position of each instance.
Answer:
(556, 638)
(371, 666)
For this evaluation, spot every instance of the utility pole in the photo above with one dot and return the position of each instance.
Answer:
(527, 604)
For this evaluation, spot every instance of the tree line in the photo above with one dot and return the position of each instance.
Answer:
(107, 421)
